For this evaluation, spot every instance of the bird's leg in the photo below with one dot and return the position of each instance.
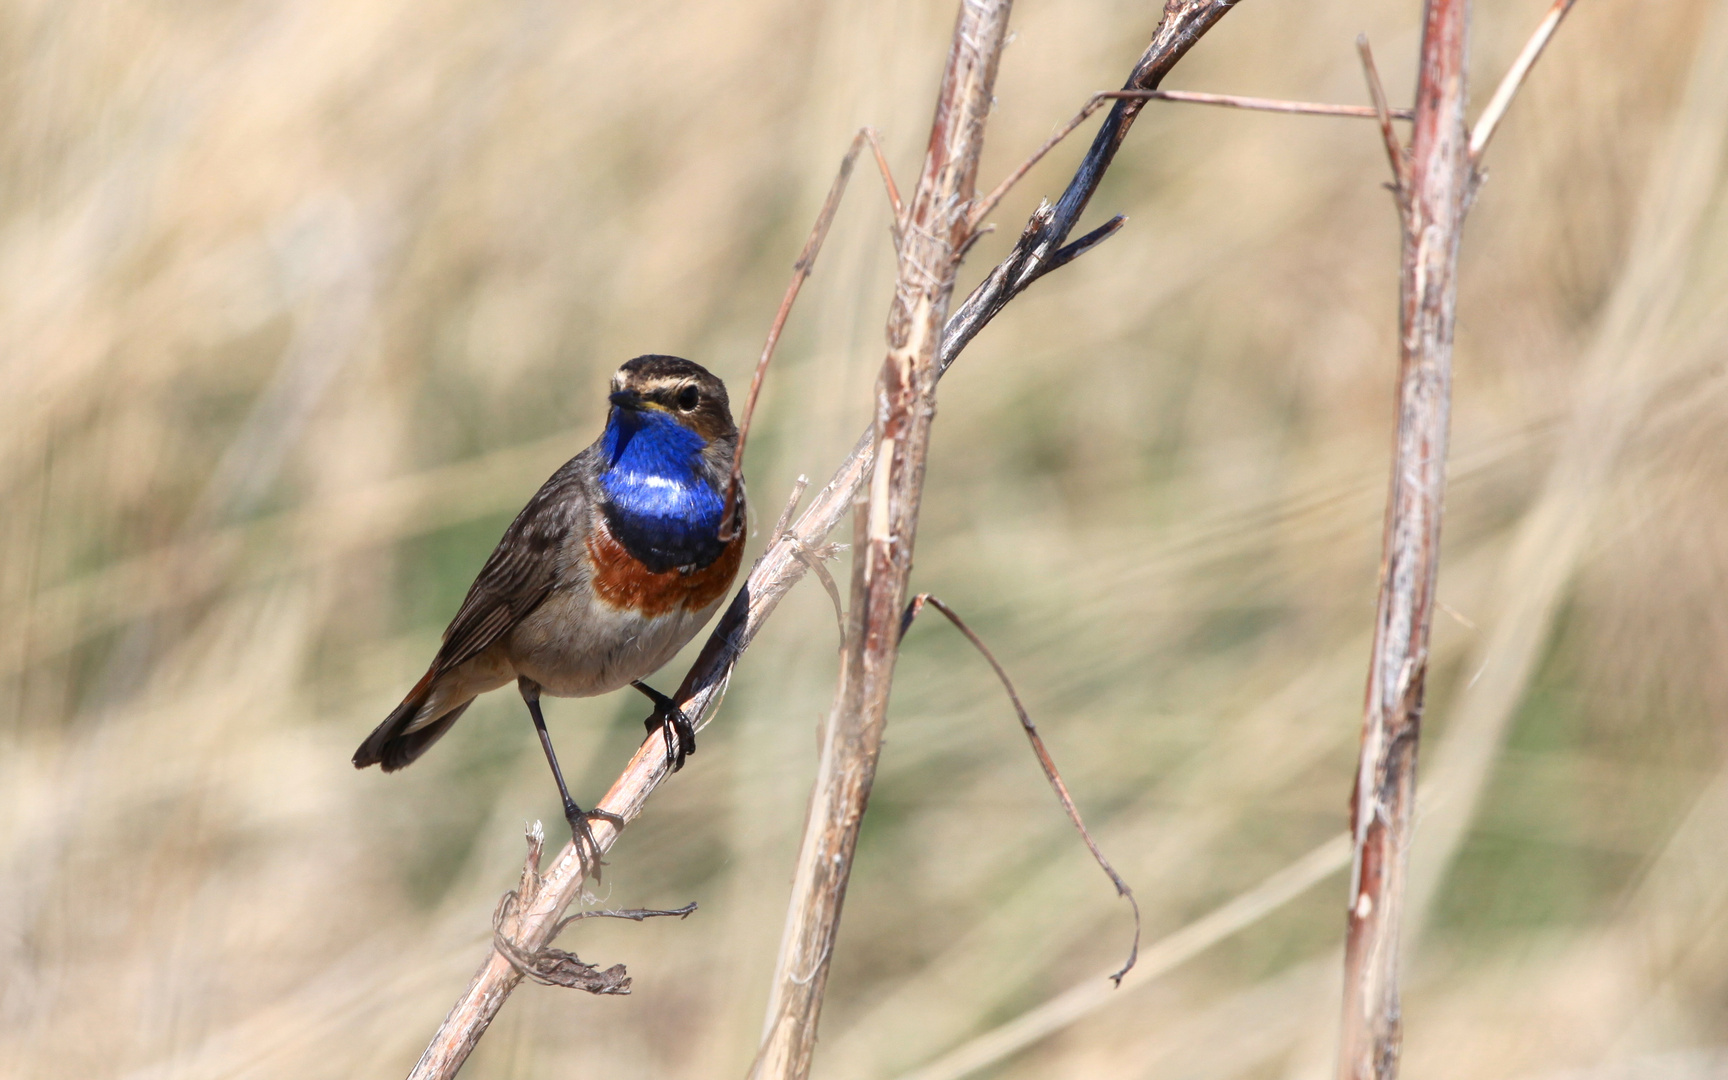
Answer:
(578, 818)
(670, 720)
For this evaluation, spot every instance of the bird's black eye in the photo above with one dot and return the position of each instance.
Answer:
(689, 397)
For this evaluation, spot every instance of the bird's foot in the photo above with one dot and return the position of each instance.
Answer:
(674, 726)
(587, 847)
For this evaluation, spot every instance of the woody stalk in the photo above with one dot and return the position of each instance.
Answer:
(932, 234)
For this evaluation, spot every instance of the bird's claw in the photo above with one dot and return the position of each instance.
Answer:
(680, 736)
(587, 847)
(674, 726)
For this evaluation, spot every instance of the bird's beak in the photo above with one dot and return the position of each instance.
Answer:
(627, 399)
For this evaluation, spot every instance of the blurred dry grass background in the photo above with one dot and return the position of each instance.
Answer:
(299, 303)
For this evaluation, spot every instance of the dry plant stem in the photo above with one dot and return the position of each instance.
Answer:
(1514, 78)
(1383, 804)
(800, 273)
(1616, 380)
(934, 233)
(1377, 92)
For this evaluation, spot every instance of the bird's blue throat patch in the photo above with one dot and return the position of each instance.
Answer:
(660, 507)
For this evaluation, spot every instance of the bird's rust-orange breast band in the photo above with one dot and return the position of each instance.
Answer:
(621, 580)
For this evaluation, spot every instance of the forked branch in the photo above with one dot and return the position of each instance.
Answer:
(1434, 182)
(1433, 190)
(938, 230)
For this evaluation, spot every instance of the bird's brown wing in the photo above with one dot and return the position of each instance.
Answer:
(522, 570)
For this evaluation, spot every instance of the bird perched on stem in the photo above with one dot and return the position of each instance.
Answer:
(609, 570)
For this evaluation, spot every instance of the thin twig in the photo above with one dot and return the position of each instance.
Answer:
(1191, 97)
(1045, 761)
(729, 523)
(632, 914)
(888, 183)
(1489, 121)
(1434, 191)
(1377, 92)
(556, 967)
(1067, 253)
(542, 963)
(785, 520)
(1260, 104)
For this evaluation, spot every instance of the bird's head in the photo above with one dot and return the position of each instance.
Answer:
(687, 393)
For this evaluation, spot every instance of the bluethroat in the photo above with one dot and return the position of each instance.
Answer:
(609, 570)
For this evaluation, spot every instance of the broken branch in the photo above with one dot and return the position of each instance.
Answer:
(1376, 91)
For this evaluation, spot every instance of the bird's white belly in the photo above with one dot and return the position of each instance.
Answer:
(575, 645)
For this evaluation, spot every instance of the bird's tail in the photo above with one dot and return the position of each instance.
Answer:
(397, 742)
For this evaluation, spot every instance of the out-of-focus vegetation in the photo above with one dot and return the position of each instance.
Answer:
(301, 301)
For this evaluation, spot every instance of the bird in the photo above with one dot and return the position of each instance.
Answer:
(611, 568)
